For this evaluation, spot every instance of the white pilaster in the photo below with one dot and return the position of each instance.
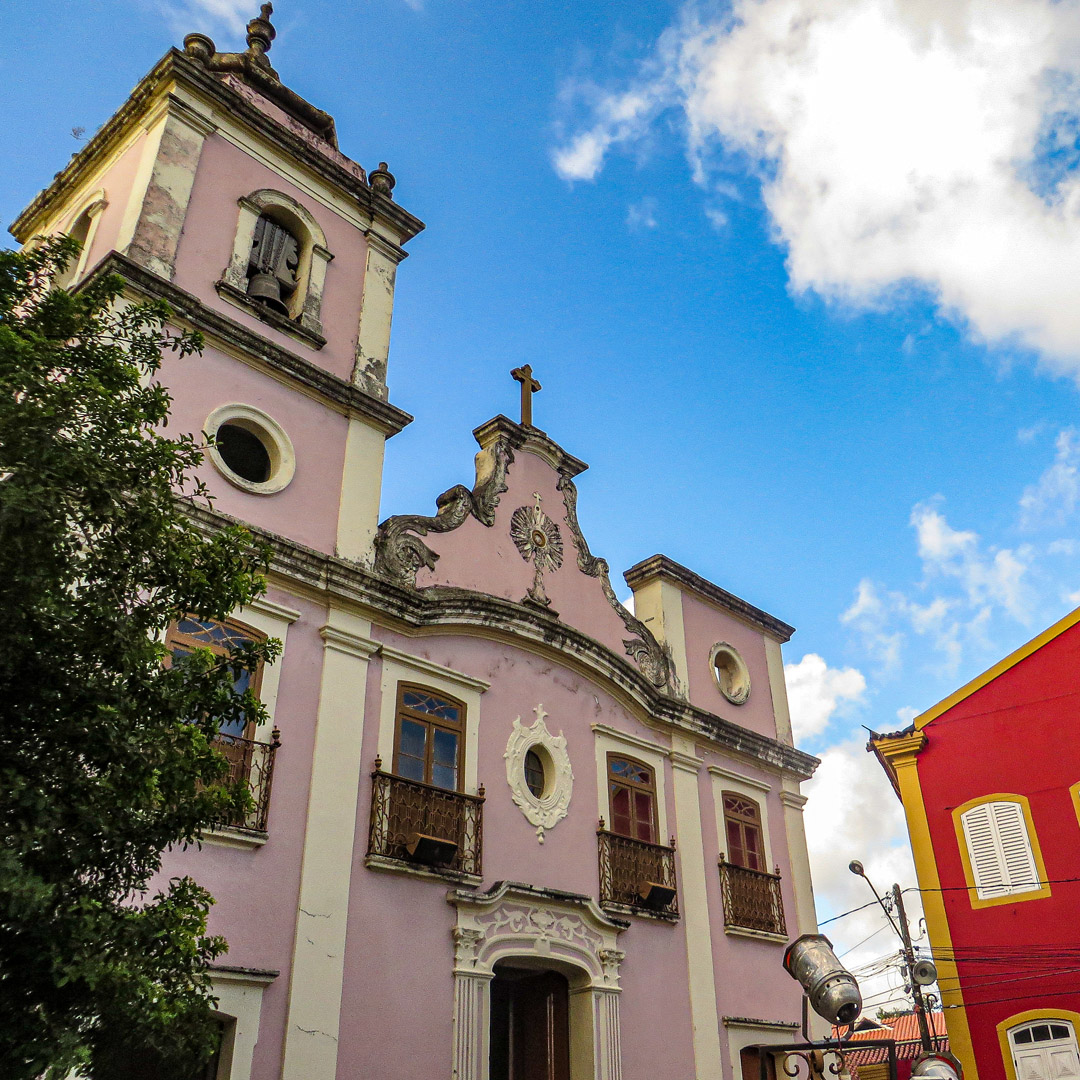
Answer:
(801, 882)
(472, 1024)
(608, 1038)
(699, 951)
(311, 1034)
(361, 486)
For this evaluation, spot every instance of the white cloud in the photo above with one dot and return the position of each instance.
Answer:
(852, 813)
(717, 218)
(642, 214)
(1056, 494)
(871, 616)
(816, 691)
(987, 577)
(210, 15)
(898, 143)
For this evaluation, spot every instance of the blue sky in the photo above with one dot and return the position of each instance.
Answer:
(799, 279)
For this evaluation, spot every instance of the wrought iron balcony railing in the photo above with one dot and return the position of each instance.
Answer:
(752, 899)
(402, 810)
(251, 763)
(628, 868)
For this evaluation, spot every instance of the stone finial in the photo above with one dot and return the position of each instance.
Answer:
(382, 180)
(260, 32)
(199, 47)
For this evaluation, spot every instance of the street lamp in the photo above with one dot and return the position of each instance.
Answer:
(904, 934)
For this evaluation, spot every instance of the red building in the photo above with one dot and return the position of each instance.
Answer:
(990, 782)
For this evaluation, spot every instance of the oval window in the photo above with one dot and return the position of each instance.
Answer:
(535, 777)
(243, 452)
(731, 674)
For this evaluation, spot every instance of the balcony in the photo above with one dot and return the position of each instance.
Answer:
(637, 876)
(250, 763)
(752, 900)
(404, 812)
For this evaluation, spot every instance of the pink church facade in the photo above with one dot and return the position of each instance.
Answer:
(514, 828)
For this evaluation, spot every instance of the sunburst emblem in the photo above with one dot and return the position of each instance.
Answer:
(538, 539)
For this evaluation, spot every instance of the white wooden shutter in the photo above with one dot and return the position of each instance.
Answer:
(999, 848)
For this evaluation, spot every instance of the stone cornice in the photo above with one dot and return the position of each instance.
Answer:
(179, 69)
(530, 439)
(462, 611)
(252, 347)
(660, 566)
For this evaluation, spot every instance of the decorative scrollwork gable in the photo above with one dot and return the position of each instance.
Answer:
(653, 657)
(400, 554)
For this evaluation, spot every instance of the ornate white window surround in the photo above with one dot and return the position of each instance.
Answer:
(743, 1031)
(399, 666)
(611, 740)
(549, 930)
(305, 306)
(551, 806)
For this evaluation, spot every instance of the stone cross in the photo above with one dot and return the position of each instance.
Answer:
(529, 386)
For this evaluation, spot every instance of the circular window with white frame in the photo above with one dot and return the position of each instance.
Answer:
(730, 672)
(250, 449)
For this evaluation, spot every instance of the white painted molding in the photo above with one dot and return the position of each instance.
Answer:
(549, 929)
(547, 810)
(757, 935)
(350, 644)
(686, 762)
(225, 836)
(793, 799)
(734, 681)
(738, 778)
(269, 607)
(429, 667)
(631, 740)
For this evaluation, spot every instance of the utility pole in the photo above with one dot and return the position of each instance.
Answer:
(900, 925)
(909, 964)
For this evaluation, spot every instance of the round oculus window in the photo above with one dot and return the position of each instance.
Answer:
(250, 449)
(730, 672)
(243, 452)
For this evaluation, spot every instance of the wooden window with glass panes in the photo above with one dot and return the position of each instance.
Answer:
(632, 798)
(430, 740)
(742, 824)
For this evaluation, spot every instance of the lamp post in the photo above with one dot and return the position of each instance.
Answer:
(904, 934)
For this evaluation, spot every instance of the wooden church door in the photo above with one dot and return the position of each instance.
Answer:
(530, 1025)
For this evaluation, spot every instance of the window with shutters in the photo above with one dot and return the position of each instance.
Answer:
(1000, 850)
(1040, 1044)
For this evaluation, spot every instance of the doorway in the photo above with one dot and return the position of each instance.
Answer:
(530, 1025)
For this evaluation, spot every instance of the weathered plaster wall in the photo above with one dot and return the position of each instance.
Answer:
(705, 626)
(226, 173)
(257, 889)
(307, 510)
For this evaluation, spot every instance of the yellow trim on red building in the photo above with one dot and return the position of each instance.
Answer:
(1011, 1022)
(1033, 840)
(999, 668)
(900, 753)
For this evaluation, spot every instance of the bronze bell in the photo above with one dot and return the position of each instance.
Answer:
(266, 289)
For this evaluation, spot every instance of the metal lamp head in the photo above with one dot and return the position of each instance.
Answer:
(832, 989)
(940, 1065)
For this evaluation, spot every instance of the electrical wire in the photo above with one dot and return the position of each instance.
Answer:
(844, 914)
(863, 942)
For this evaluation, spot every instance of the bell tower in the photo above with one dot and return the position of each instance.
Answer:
(222, 191)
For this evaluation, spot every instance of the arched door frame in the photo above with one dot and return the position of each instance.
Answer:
(557, 931)
(1019, 1020)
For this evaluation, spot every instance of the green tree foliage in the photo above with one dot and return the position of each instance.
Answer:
(105, 751)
